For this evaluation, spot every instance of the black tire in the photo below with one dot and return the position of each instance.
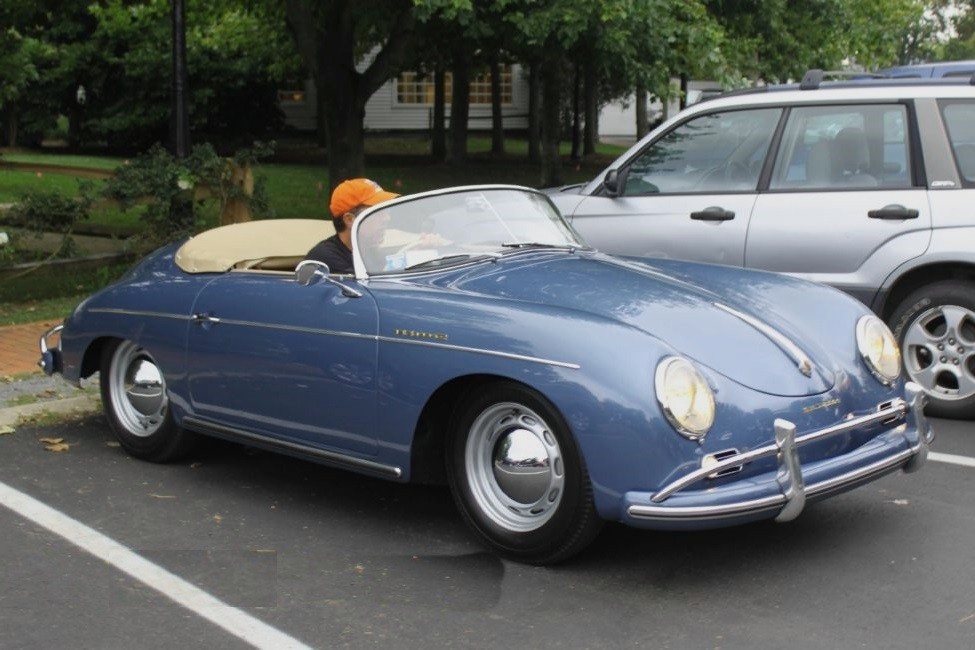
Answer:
(136, 403)
(935, 327)
(534, 512)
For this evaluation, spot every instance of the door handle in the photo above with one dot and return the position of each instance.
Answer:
(204, 318)
(714, 213)
(893, 212)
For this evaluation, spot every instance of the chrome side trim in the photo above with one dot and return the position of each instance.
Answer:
(803, 362)
(133, 312)
(493, 353)
(290, 328)
(898, 409)
(202, 318)
(321, 455)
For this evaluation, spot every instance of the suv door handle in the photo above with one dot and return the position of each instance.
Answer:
(893, 212)
(714, 213)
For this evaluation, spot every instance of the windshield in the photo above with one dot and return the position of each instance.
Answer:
(444, 228)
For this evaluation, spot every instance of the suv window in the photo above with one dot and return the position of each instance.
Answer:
(718, 152)
(960, 120)
(849, 147)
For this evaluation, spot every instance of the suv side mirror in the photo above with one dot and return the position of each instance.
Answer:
(612, 182)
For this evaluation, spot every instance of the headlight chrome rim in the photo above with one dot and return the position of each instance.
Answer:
(870, 326)
(678, 420)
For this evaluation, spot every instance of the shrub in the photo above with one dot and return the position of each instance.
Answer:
(172, 189)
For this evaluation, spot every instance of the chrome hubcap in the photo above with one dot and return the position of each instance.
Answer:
(514, 467)
(137, 390)
(939, 352)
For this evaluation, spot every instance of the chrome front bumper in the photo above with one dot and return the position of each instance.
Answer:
(50, 361)
(784, 495)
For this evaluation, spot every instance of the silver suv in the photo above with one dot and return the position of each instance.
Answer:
(866, 185)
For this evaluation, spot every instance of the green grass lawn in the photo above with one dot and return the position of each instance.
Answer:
(294, 191)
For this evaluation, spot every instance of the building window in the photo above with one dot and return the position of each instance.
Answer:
(417, 88)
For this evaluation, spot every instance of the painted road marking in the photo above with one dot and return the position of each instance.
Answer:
(964, 461)
(236, 622)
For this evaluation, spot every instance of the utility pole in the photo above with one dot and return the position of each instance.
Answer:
(179, 123)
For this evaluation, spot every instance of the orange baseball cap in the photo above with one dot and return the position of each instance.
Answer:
(352, 193)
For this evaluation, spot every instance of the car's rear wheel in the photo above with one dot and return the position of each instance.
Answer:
(935, 326)
(135, 399)
(518, 477)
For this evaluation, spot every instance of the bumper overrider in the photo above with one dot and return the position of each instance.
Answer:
(782, 494)
(50, 361)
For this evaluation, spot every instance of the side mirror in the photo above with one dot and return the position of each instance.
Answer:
(309, 272)
(612, 182)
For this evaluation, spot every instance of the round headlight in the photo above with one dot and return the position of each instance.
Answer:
(879, 349)
(685, 397)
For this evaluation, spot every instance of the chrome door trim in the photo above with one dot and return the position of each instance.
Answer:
(333, 458)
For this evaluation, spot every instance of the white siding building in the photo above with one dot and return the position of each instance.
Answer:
(405, 103)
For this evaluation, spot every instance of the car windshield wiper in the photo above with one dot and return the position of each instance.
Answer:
(535, 244)
(446, 259)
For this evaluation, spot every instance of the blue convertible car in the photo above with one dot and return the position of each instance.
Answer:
(481, 343)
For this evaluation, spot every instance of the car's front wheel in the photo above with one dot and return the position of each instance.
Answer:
(935, 326)
(136, 403)
(518, 477)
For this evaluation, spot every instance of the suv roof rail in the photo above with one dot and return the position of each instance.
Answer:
(813, 78)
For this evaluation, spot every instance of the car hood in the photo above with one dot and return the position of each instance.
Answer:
(729, 333)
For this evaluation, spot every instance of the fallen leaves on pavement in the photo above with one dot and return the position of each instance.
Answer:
(55, 444)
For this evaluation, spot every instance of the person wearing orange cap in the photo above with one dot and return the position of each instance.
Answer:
(349, 199)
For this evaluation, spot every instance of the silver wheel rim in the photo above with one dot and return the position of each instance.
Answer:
(514, 467)
(939, 352)
(137, 390)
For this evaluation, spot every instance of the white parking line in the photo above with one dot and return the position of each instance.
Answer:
(964, 461)
(236, 622)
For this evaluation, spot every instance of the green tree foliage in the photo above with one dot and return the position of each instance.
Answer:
(108, 68)
(962, 44)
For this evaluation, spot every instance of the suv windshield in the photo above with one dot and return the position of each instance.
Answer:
(448, 228)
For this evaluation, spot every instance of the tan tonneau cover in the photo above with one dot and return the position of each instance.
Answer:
(270, 243)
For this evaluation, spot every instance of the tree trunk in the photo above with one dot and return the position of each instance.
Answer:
(344, 114)
(534, 110)
(576, 133)
(497, 123)
(321, 108)
(238, 208)
(459, 107)
(551, 110)
(325, 36)
(591, 102)
(438, 146)
(642, 121)
(10, 127)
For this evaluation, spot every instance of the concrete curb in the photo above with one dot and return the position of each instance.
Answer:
(80, 405)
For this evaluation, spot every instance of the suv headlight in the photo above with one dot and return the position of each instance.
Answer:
(879, 349)
(685, 397)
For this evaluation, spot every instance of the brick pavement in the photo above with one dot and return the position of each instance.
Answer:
(18, 347)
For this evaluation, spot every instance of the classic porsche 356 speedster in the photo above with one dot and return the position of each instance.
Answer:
(480, 342)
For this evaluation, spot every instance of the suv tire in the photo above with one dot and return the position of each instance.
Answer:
(935, 326)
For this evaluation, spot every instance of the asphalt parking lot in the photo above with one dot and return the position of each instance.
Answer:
(268, 551)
